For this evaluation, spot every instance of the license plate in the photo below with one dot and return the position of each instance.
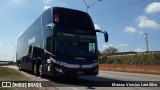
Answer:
(80, 72)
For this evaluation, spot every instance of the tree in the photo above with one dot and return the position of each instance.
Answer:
(109, 51)
(99, 53)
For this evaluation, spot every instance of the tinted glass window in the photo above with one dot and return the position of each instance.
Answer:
(72, 19)
(75, 44)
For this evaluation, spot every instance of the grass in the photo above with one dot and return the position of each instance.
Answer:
(6, 89)
(140, 59)
(8, 74)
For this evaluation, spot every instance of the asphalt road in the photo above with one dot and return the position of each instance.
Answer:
(96, 83)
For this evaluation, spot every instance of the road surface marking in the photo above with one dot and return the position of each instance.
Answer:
(73, 88)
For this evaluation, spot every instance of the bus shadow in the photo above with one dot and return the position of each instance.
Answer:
(83, 81)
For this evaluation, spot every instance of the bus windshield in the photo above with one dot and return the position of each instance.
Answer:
(75, 44)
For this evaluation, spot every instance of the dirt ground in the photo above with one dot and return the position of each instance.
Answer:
(151, 69)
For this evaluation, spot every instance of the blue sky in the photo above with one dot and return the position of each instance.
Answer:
(124, 20)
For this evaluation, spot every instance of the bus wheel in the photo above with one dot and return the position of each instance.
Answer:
(35, 69)
(40, 71)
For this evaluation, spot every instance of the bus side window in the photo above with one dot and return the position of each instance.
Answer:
(49, 45)
(92, 47)
(37, 51)
(30, 51)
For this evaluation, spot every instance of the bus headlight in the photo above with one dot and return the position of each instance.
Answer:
(59, 70)
(95, 60)
(58, 62)
(96, 70)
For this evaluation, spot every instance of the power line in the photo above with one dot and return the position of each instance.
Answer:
(85, 3)
(155, 37)
(128, 5)
(138, 40)
(88, 6)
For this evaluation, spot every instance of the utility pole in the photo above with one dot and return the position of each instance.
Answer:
(146, 40)
(88, 6)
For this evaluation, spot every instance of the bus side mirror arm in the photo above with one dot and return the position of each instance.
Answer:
(105, 34)
(50, 25)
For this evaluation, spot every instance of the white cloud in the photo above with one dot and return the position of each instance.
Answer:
(104, 45)
(47, 1)
(130, 29)
(16, 1)
(47, 4)
(107, 45)
(138, 50)
(141, 32)
(5, 51)
(97, 26)
(55, 3)
(153, 8)
(123, 45)
(0, 44)
(46, 7)
(144, 22)
(118, 45)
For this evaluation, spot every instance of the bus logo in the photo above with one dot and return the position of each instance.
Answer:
(80, 58)
(56, 18)
(6, 84)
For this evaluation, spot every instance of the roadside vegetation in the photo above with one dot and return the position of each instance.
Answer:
(111, 56)
(8, 74)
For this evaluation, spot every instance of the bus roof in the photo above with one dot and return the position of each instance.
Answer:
(72, 18)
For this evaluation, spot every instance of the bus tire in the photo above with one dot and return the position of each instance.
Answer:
(35, 70)
(41, 71)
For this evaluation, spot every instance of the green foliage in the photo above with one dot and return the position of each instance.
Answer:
(139, 59)
(110, 50)
(6, 89)
(8, 74)
(103, 60)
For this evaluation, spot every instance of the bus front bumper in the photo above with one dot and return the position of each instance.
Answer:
(77, 70)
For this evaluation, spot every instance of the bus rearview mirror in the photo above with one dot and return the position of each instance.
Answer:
(50, 25)
(105, 34)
